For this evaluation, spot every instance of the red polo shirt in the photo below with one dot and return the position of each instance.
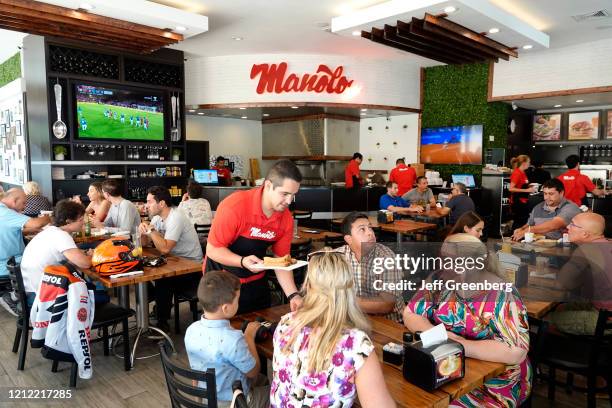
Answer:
(519, 179)
(404, 176)
(576, 185)
(224, 174)
(351, 169)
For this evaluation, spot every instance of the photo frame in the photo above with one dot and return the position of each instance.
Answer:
(7, 170)
(7, 116)
(20, 175)
(583, 126)
(546, 127)
(18, 128)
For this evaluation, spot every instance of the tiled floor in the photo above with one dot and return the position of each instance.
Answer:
(144, 386)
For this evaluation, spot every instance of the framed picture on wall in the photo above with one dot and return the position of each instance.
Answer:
(7, 170)
(18, 127)
(7, 116)
(546, 127)
(20, 175)
(583, 126)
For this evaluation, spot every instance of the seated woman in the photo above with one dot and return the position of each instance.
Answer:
(53, 245)
(35, 201)
(469, 223)
(322, 354)
(196, 208)
(491, 325)
(98, 206)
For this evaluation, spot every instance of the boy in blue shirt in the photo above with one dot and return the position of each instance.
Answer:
(213, 343)
(396, 204)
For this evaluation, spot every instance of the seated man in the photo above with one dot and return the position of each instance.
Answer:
(172, 233)
(587, 274)
(362, 249)
(551, 216)
(392, 202)
(14, 225)
(458, 204)
(212, 343)
(123, 214)
(421, 195)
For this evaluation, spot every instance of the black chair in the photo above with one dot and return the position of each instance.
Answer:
(179, 381)
(23, 320)
(203, 230)
(334, 242)
(537, 336)
(304, 218)
(187, 294)
(589, 356)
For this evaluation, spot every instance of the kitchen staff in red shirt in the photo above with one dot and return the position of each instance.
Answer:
(224, 174)
(352, 178)
(245, 225)
(403, 175)
(576, 184)
(520, 190)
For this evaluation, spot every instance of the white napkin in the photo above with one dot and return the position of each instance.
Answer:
(434, 335)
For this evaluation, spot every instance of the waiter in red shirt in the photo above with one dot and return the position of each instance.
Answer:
(403, 175)
(352, 178)
(223, 173)
(576, 184)
(245, 225)
(519, 190)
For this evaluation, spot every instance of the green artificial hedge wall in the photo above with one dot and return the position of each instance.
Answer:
(456, 95)
(10, 69)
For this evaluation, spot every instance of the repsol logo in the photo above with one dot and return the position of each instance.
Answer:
(55, 280)
(85, 348)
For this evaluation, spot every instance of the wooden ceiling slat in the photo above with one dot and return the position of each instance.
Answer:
(467, 33)
(415, 29)
(93, 18)
(391, 34)
(377, 36)
(39, 16)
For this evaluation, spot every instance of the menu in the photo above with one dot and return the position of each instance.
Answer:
(547, 127)
(583, 126)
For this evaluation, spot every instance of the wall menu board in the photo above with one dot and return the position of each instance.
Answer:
(547, 127)
(583, 126)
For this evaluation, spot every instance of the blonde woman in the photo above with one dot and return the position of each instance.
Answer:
(491, 325)
(323, 356)
(98, 206)
(35, 201)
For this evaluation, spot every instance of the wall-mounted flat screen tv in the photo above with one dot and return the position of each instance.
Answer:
(112, 113)
(452, 145)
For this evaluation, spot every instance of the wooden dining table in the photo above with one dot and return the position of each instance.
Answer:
(403, 392)
(313, 234)
(401, 227)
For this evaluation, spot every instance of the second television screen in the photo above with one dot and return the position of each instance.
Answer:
(110, 113)
(452, 145)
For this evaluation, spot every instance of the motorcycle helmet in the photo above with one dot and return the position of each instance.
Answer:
(113, 256)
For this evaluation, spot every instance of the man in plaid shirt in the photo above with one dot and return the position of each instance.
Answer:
(360, 252)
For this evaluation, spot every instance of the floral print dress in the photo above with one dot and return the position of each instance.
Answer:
(293, 386)
(494, 315)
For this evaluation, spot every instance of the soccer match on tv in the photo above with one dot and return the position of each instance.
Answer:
(105, 113)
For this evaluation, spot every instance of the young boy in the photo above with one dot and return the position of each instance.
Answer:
(213, 343)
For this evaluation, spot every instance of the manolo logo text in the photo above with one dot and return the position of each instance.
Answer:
(256, 233)
(273, 79)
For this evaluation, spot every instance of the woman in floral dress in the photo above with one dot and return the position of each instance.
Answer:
(491, 325)
(323, 356)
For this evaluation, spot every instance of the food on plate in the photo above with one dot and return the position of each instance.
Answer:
(582, 126)
(279, 262)
(545, 128)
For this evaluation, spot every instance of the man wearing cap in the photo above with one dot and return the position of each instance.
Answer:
(223, 173)
(403, 175)
(246, 224)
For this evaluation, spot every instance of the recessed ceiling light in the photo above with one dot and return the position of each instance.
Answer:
(558, 106)
(494, 30)
(243, 117)
(527, 46)
(356, 33)
(180, 28)
(450, 9)
(237, 38)
(294, 107)
(364, 109)
(579, 100)
(200, 113)
(266, 114)
(86, 6)
(242, 108)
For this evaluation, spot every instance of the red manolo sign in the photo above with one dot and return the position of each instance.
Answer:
(272, 79)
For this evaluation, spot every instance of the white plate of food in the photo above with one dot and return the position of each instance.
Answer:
(285, 263)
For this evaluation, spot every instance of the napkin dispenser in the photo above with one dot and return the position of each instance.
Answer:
(431, 367)
(385, 217)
